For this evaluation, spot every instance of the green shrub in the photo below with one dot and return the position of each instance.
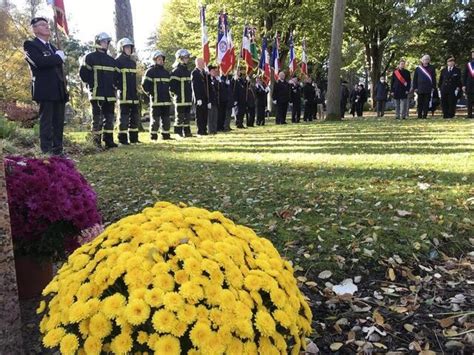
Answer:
(7, 128)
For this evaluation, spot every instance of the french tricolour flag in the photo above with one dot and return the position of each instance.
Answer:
(275, 60)
(206, 55)
(225, 49)
(292, 58)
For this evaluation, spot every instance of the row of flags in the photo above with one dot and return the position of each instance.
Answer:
(225, 50)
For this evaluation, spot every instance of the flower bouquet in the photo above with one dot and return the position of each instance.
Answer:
(50, 204)
(175, 280)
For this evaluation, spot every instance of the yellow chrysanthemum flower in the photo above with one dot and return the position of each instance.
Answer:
(173, 301)
(167, 344)
(142, 337)
(137, 311)
(112, 306)
(164, 282)
(99, 326)
(191, 291)
(163, 321)
(53, 337)
(201, 334)
(93, 345)
(122, 344)
(69, 344)
(154, 297)
(78, 311)
(265, 323)
(187, 314)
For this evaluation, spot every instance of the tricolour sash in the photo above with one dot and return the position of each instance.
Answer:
(400, 78)
(425, 72)
(470, 66)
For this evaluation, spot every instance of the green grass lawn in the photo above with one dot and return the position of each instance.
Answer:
(329, 195)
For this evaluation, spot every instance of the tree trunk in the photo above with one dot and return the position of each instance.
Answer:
(335, 63)
(123, 19)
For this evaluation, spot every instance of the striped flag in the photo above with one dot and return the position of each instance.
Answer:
(225, 48)
(206, 54)
(59, 14)
(292, 57)
(264, 63)
(245, 53)
(304, 59)
(275, 60)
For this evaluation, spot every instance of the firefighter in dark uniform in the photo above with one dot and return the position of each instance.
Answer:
(99, 71)
(127, 86)
(295, 98)
(424, 84)
(468, 84)
(261, 93)
(48, 85)
(200, 85)
(240, 98)
(450, 86)
(309, 96)
(250, 98)
(281, 97)
(180, 87)
(156, 84)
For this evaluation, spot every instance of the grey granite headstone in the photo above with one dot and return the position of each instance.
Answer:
(10, 321)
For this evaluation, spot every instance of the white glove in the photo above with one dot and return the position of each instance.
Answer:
(209, 105)
(62, 55)
(199, 102)
(227, 82)
(274, 102)
(235, 103)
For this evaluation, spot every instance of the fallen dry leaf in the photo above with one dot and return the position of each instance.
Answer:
(335, 346)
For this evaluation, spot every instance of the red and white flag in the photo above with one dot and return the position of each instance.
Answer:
(292, 63)
(275, 61)
(225, 48)
(246, 53)
(59, 14)
(304, 59)
(206, 54)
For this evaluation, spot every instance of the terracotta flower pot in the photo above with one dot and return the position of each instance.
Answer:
(32, 276)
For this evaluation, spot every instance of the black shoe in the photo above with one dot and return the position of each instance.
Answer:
(167, 137)
(187, 132)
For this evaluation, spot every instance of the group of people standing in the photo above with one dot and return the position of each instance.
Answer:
(215, 96)
(447, 90)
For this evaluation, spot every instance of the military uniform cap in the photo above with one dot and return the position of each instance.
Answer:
(35, 20)
(450, 59)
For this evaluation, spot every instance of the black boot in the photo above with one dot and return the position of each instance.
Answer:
(109, 140)
(179, 131)
(97, 139)
(153, 137)
(123, 139)
(166, 137)
(133, 135)
(187, 132)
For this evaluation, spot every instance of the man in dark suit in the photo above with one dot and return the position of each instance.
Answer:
(451, 87)
(48, 85)
(281, 97)
(468, 84)
(424, 84)
(200, 85)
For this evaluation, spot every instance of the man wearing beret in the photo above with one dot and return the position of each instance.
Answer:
(48, 85)
(450, 86)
